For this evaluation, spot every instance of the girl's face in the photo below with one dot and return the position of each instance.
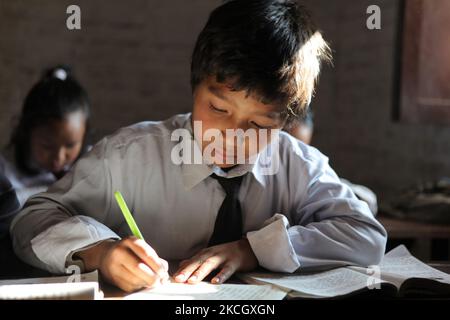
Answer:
(57, 144)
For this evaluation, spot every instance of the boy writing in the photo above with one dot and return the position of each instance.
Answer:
(253, 70)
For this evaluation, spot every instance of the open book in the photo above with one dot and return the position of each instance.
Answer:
(399, 274)
(82, 287)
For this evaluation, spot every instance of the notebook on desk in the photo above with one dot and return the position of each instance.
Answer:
(85, 287)
(208, 291)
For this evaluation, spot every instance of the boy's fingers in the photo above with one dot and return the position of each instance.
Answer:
(165, 264)
(185, 272)
(143, 272)
(206, 268)
(147, 254)
(227, 271)
(137, 267)
(183, 264)
(127, 281)
(165, 278)
(203, 254)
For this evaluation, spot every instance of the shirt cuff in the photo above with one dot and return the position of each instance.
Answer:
(56, 245)
(272, 246)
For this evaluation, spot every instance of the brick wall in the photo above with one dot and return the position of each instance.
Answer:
(132, 56)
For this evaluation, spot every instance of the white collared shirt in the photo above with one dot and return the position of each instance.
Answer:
(302, 216)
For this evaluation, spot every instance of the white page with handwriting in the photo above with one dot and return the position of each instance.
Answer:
(208, 291)
(325, 284)
(399, 264)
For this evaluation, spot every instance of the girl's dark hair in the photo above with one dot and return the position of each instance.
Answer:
(56, 95)
(268, 47)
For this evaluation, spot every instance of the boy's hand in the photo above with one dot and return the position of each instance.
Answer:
(130, 263)
(229, 257)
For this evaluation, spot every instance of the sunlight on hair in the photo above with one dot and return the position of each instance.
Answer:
(305, 70)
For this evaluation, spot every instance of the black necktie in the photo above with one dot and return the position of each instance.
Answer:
(228, 226)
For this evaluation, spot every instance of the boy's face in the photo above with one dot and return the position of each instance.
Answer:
(218, 107)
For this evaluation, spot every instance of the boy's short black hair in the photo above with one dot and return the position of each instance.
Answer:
(268, 47)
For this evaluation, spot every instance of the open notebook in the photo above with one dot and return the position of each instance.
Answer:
(88, 289)
(399, 274)
(207, 291)
(58, 288)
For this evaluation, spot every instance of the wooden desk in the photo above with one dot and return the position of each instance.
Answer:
(422, 234)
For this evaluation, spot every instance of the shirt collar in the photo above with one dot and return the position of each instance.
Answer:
(193, 174)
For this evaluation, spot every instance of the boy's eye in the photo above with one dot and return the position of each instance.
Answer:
(260, 126)
(217, 109)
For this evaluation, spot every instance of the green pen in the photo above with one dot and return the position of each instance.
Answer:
(132, 224)
(127, 214)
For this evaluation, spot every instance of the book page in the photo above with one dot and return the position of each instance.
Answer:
(399, 263)
(327, 284)
(208, 291)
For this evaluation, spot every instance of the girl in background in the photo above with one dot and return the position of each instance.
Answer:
(50, 135)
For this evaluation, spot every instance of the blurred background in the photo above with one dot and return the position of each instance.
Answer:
(133, 58)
